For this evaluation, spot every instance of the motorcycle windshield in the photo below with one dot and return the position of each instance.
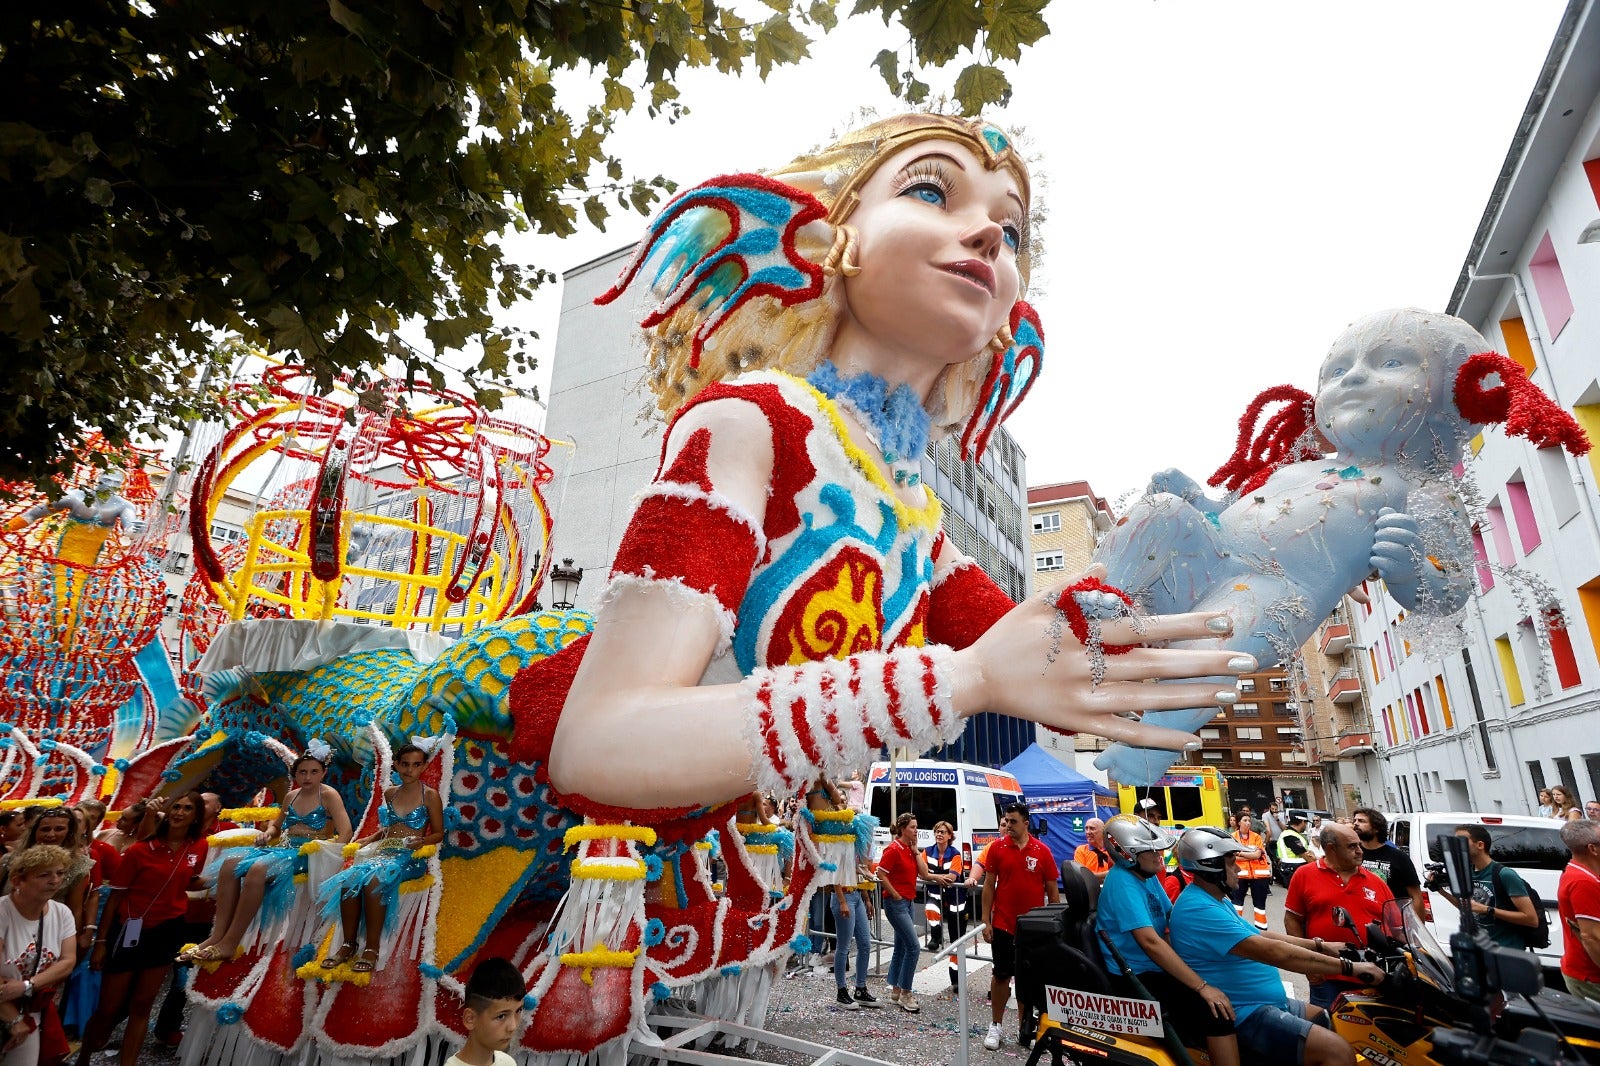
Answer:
(1402, 923)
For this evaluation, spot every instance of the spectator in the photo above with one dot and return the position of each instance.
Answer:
(1591, 810)
(144, 924)
(852, 915)
(899, 868)
(1150, 811)
(1134, 913)
(37, 946)
(944, 858)
(1578, 906)
(1225, 951)
(1576, 815)
(1393, 866)
(1561, 801)
(1547, 807)
(1271, 830)
(1338, 879)
(1092, 855)
(491, 1013)
(1255, 872)
(1021, 876)
(1500, 900)
(855, 792)
(1233, 823)
(125, 832)
(1294, 851)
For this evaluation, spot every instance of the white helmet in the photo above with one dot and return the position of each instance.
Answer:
(1205, 849)
(1127, 837)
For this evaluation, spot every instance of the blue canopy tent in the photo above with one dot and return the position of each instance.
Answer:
(1063, 798)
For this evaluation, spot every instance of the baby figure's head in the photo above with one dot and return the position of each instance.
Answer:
(1386, 388)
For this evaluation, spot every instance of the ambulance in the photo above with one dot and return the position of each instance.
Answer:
(967, 796)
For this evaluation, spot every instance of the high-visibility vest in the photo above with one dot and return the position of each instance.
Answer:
(1284, 854)
(1250, 869)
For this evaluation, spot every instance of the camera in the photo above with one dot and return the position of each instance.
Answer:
(1435, 879)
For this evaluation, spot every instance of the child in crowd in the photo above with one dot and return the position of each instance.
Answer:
(492, 1015)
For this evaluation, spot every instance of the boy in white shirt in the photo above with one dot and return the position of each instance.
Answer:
(492, 1015)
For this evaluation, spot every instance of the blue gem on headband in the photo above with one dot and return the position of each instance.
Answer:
(998, 142)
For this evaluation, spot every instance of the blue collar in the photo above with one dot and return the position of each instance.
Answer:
(895, 417)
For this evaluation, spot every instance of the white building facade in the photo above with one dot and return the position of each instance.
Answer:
(1519, 707)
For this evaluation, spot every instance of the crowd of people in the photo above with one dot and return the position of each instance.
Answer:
(96, 920)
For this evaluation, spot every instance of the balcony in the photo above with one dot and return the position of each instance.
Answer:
(1345, 687)
(1335, 639)
(1353, 745)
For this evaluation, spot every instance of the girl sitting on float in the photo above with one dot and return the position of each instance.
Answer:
(411, 818)
(260, 889)
(1399, 395)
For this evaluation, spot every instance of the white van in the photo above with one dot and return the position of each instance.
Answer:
(1529, 845)
(967, 796)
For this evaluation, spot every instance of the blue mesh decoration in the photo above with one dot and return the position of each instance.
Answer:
(801, 945)
(655, 931)
(304, 955)
(230, 1013)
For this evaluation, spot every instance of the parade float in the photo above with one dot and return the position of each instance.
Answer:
(81, 599)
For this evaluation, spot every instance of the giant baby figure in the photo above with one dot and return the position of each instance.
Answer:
(1399, 394)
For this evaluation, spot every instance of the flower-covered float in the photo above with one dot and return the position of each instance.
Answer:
(783, 606)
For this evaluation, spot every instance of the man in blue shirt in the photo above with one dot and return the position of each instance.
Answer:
(1133, 912)
(1228, 952)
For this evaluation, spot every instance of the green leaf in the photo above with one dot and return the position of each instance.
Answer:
(778, 43)
(916, 91)
(1013, 25)
(448, 333)
(823, 13)
(888, 65)
(347, 18)
(595, 211)
(98, 191)
(978, 85)
(942, 28)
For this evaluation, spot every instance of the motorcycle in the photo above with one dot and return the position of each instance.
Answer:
(1425, 1013)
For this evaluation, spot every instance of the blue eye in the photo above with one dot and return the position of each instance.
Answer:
(1390, 364)
(1013, 239)
(1336, 372)
(927, 192)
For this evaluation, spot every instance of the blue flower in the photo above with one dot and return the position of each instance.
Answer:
(660, 991)
(830, 866)
(530, 1002)
(800, 945)
(121, 765)
(230, 1013)
(652, 867)
(97, 769)
(171, 775)
(655, 931)
(730, 971)
(47, 745)
(450, 726)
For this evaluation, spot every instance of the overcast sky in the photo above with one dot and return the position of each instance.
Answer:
(1228, 183)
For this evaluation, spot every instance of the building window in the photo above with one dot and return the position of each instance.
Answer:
(1536, 775)
(1211, 734)
(1517, 347)
(172, 602)
(1047, 561)
(1557, 481)
(1500, 533)
(177, 562)
(1508, 671)
(1248, 732)
(226, 532)
(1246, 710)
(1047, 522)
(1212, 756)
(1481, 554)
(1288, 731)
(1561, 650)
(1522, 513)
(1247, 684)
(1294, 757)
(1278, 684)
(1551, 287)
(1259, 758)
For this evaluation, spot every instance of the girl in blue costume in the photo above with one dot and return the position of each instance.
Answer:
(412, 817)
(259, 888)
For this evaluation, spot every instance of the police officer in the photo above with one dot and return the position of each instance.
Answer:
(1293, 850)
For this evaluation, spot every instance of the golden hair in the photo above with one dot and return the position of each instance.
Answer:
(30, 861)
(764, 334)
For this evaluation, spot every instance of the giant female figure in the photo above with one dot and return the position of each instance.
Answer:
(784, 604)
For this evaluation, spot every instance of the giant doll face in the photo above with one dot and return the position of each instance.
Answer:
(1373, 398)
(939, 234)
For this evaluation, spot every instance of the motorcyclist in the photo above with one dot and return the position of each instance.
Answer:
(1225, 950)
(1133, 913)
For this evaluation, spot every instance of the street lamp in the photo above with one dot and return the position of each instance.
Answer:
(564, 580)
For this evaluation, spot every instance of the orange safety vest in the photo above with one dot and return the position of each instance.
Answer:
(1251, 869)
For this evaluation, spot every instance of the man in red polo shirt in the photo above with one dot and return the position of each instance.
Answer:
(1019, 875)
(1578, 904)
(1338, 879)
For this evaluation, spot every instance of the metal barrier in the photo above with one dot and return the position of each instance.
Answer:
(959, 948)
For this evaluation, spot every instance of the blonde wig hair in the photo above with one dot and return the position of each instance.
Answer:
(764, 334)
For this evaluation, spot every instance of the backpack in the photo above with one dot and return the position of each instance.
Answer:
(1538, 937)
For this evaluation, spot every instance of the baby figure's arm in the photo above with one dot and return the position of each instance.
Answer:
(1436, 584)
(1185, 488)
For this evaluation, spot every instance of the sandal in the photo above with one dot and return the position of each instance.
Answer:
(345, 953)
(365, 964)
(209, 953)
